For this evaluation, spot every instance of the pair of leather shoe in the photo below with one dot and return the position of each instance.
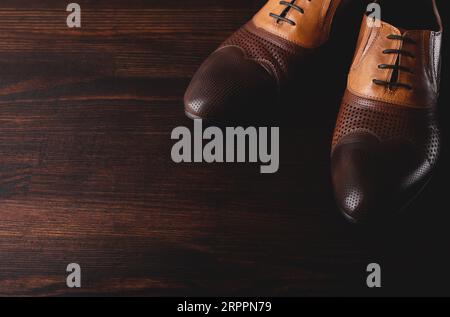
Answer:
(386, 143)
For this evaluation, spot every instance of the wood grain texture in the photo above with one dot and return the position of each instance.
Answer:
(86, 174)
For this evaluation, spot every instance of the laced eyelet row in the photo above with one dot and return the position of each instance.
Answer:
(289, 5)
(396, 84)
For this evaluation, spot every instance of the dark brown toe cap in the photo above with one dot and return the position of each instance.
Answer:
(228, 83)
(374, 180)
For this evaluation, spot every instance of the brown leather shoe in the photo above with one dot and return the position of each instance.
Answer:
(387, 140)
(256, 61)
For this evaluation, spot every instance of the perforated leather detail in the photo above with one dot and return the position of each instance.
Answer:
(387, 122)
(353, 195)
(275, 54)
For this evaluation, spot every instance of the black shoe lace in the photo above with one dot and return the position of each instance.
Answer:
(397, 67)
(289, 6)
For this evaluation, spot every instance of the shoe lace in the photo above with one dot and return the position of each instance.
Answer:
(394, 83)
(289, 5)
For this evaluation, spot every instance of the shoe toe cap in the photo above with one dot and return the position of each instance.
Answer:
(227, 82)
(374, 180)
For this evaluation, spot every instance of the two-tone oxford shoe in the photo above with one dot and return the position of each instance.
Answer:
(387, 141)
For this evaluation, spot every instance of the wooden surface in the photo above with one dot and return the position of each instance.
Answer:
(86, 174)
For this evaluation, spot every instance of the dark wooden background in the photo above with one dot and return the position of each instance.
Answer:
(86, 174)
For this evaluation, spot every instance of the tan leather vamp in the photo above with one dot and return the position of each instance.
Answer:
(425, 66)
(312, 28)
